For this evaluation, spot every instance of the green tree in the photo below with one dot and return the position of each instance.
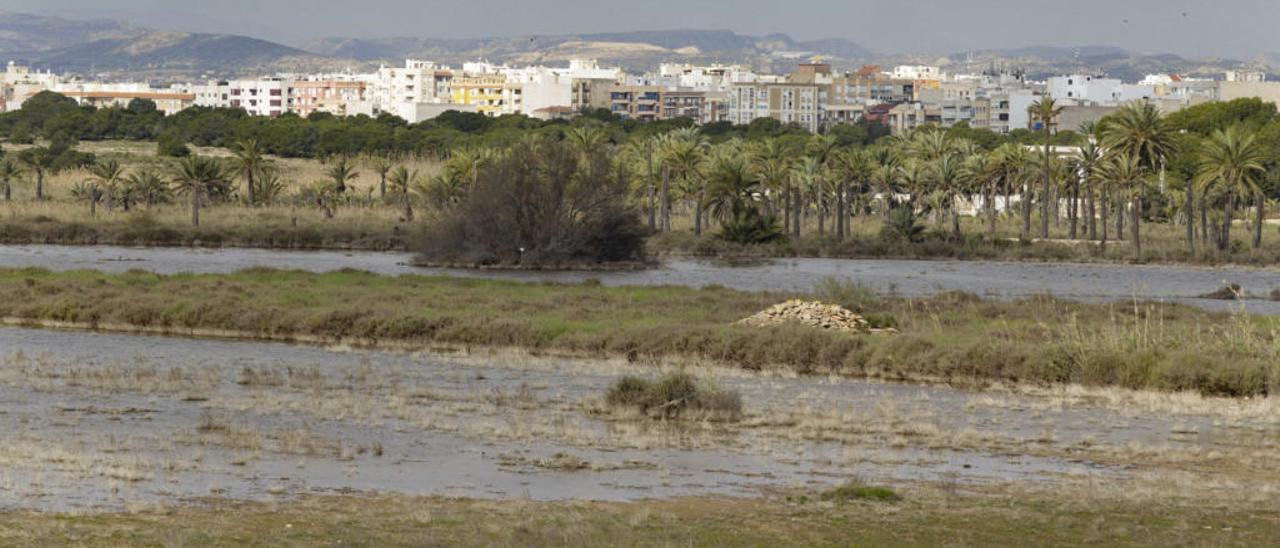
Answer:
(1124, 171)
(9, 170)
(147, 187)
(195, 176)
(341, 171)
(107, 176)
(250, 160)
(1046, 112)
(402, 181)
(1231, 164)
(42, 161)
(381, 164)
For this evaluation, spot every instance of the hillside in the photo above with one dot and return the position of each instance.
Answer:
(633, 50)
(22, 34)
(165, 51)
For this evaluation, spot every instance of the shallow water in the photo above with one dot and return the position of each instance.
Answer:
(912, 278)
(95, 420)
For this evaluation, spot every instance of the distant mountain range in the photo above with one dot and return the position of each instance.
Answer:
(123, 50)
(635, 50)
(114, 48)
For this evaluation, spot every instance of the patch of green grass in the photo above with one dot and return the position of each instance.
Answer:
(856, 491)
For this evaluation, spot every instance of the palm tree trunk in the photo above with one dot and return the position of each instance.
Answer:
(1092, 209)
(1224, 243)
(408, 208)
(799, 205)
(1120, 214)
(653, 224)
(666, 200)
(697, 215)
(786, 208)
(382, 186)
(40, 185)
(1046, 189)
(1026, 211)
(991, 210)
(195, 207)
(1260, 217)
(249, 187)
(1105, 204)
(1073, 209)
(1204, 222)
(1190, 206)
(8, 191)
(841, 221)
(1137, 224)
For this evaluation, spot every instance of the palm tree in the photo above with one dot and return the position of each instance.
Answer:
(1122, 170)
(250, 160)
(1231, 163)
(1140, 130)
(107, 176)
(1085, 164)
(41, 161)
(1045, 111)
(194, 176)
(146, 186)
(808, 175)
(730, 183)
(402, 181)
(683, 153)
(587, 140)
(772, 159)
(645, 149)
(948, 177)
(381, 164)
(341, 171)
(981, 172)
(9, 170)
(853, 169)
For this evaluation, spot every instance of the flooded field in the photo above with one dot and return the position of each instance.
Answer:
(1180, 284)
(104, 421)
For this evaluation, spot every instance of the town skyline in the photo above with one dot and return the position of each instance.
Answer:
(1235, 29)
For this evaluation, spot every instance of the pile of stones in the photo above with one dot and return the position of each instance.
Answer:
(811, 313)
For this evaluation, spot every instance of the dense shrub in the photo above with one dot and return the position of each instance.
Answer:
(674, 396)
(540, 203)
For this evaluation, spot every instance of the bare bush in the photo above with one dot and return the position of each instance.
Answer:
(541, 203)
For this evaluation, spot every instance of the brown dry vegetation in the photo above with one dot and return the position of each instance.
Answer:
(954, 337)
(993, 517)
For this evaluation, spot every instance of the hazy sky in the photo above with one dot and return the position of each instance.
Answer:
(1237, 28)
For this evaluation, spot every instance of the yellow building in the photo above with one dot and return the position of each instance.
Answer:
(485, 92)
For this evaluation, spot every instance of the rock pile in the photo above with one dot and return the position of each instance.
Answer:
(811, 313)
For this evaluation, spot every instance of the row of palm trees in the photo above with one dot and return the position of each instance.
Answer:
(930, 173)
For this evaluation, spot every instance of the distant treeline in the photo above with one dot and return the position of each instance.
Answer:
(61, 121)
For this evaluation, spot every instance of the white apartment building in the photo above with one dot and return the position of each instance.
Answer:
(263, 97)
(20, 83)
(1088, 90)
(917, 72)
(1246, 76)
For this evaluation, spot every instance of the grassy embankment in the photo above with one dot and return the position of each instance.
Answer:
(920, 519)
(953, 337)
